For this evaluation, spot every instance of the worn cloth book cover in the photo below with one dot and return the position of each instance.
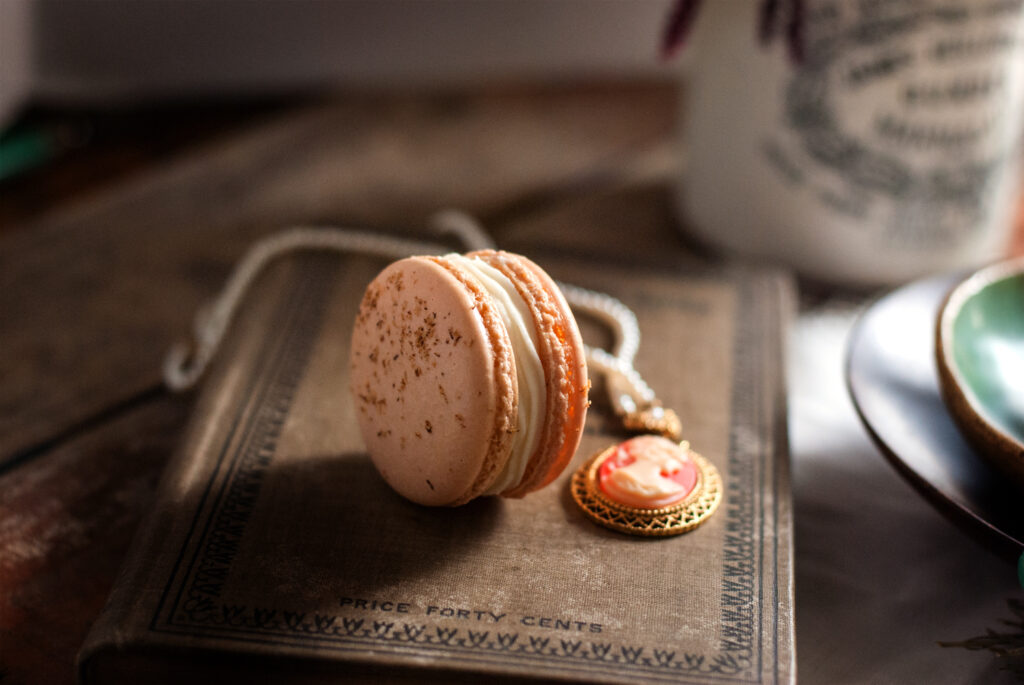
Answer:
(274, 548)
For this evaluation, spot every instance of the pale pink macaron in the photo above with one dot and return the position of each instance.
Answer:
(469, 377)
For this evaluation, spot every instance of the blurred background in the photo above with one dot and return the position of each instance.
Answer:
(144, 144)
(124, 80)
(102, 51)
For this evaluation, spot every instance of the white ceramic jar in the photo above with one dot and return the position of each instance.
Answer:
(891, 151)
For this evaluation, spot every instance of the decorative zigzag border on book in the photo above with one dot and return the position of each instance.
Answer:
(740, 610)
(202, 609)
(207, 612)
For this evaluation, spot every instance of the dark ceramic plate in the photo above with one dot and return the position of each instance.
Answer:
(892, 377)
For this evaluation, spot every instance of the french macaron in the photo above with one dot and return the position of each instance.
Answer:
(469, 377)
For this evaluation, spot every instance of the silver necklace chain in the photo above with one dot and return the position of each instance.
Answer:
(631, 397)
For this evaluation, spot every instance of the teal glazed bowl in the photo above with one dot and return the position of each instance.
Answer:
(980, 357)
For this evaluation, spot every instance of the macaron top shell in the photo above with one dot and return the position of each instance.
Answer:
(457, 395)
(433, 377)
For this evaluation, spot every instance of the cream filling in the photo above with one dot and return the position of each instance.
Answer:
(529, 371)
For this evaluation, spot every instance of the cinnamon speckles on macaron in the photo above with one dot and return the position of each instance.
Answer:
(468, 376)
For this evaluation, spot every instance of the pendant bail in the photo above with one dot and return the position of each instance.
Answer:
(641, 415)
(656, 419)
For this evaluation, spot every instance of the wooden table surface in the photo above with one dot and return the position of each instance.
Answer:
(106, 255)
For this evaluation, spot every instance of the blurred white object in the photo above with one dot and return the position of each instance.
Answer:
(126, 49)
(889, 153)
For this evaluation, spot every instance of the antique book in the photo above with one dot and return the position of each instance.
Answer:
(274, 549)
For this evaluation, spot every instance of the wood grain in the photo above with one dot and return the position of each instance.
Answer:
(66, 520)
